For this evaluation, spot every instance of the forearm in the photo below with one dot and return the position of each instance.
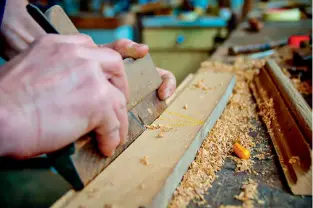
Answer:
(18, 29)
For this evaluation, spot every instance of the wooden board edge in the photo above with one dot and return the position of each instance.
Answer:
(298, 106)
(185, 83)
(64, 200)
(164, 196)
(285, 135)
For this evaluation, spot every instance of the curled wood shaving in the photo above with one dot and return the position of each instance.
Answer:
(294, 160)
(234, 123)
(145, 161)
(162, 127)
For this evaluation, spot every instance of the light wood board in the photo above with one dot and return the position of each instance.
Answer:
(128, 183)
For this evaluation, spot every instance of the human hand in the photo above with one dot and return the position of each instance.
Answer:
(18, 29)
(58, 90)
(130, 49)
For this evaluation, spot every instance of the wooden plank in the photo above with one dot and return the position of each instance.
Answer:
(293, 151)
(299, 107)
(128, 183)
(179, 89)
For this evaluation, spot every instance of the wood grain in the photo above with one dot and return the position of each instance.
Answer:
(288, 140)
(299, 107)
(128, 183)
(179, 89)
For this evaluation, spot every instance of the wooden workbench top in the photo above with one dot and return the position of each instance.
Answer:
(272, 186)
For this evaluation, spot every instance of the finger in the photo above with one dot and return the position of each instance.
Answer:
(168, 85)
(79, 39)
(121, 113)
(128, 48)
(107, 133)
(111, 64)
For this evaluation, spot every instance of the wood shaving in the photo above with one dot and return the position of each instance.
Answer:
(243, 165)
(234, 123)
(294, 160)
(142, 186)
(185, 106)
(304, 87)
(162, 127)
(108, 206)
(160, 135)
(145, 161)
(260, 156)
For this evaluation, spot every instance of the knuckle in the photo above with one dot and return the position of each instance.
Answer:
(86, 37)
(119, 43)
(120, 102)
(67, 49)
(45, 39)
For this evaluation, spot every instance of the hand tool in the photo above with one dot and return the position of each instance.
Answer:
(235, 50)
(80, 162)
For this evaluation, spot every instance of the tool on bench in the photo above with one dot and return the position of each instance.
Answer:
(235, 50)
(293, 41)
(80, 162)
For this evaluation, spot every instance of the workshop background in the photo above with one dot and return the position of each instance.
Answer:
(180, 34)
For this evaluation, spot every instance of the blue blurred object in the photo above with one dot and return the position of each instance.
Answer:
(103, 36)
(236, 4)
(180, 39)
(172, 21)
(146, 1)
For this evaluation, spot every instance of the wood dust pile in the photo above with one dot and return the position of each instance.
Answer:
(248, 195)
(233, 126)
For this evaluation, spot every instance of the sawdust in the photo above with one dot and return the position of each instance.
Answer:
(162, 127)
(233, 126)
(108, 206)
(145, 161)
(141, 186)
(243, 165)
(248, 196)
(294, 160)
(160, 135)
(304, 87)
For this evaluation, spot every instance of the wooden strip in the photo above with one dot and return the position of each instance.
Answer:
(179, 89)
(128, 183)
(291, 147)
(294, 100)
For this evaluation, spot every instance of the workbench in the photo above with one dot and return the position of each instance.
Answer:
(272, 186)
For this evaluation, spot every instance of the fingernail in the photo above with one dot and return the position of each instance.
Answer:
(131, 45)
(167, 93)
(140, 45)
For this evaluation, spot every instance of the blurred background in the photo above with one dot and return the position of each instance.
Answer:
(180, 33)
